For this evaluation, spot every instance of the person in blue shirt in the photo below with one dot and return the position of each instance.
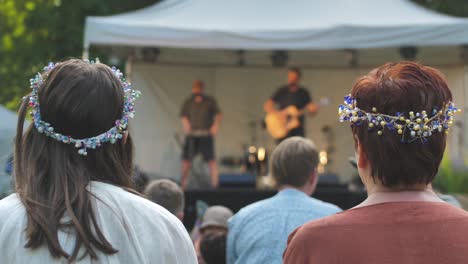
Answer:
(258, 233)
(9, 165)
(6, 178)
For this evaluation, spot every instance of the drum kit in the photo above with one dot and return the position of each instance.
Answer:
(254, 156)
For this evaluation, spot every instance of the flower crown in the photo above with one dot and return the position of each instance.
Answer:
(111, 135)
(416, 126)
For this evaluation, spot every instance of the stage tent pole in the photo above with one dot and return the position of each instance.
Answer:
(85, 54)
(129, 68)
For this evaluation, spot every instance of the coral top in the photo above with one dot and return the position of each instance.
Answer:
(385, 233)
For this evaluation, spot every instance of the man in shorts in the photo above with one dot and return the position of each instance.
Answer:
(201, 117)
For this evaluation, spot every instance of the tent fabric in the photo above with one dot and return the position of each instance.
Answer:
(278, 24)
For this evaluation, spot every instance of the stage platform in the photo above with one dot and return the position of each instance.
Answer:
(236, 198)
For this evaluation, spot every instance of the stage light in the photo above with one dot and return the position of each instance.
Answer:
(320, 169)
(265, 182)
(323, 158)
(261, 154)
(279, 58)
(252, 149)
(252, 159)
(408, 53)
(150, 55)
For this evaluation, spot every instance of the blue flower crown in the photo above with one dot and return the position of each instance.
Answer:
(112, 135)
(416, 126)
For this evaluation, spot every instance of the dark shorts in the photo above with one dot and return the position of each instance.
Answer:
(199, 144)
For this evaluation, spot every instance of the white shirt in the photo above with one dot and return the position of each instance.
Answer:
(142, 231)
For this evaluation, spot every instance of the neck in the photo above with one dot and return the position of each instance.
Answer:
(378, 194)
(379, 188)
(303, 189)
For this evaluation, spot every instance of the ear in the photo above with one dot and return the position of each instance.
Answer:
(125, 137)
(180, 215)
(313, 180)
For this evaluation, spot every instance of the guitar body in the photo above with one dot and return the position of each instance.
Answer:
(279, 127)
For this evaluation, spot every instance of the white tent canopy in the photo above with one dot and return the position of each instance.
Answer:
(278, 24)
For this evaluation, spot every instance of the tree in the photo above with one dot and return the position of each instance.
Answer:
(34, 32)
(452, 7)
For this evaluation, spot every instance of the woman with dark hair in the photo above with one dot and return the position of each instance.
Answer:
(400, 114)
(73, 169)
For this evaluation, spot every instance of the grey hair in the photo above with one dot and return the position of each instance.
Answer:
(167, 194)
(293, 161)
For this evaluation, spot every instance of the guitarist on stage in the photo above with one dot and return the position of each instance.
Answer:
(201, 117)
(295, 95)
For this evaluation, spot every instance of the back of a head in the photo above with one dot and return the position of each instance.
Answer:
(140, 180)
(213, 247)
(293, 161)
(217, 217)
(398, 89)
(296, 70)
(167, 194)
(80, 100)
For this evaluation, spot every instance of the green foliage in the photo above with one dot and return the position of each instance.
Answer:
(450, 180)
(34, 32)
(452, 7)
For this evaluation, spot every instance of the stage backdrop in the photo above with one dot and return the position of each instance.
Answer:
(241, 93)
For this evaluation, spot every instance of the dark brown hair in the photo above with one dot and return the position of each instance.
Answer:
(199, 83)
(213, 247)
(293, 161)
(80, 100)
(297, 70)
(401, 87)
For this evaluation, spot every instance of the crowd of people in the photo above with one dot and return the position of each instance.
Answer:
(76, 200)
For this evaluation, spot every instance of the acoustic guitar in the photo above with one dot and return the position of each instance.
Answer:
(279, 127)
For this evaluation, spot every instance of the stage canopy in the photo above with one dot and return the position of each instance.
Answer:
(278, 24)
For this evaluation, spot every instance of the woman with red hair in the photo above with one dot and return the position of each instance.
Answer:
(400, 114)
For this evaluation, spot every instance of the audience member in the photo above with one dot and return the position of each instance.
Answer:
(258, 232)
(167, 194)
(73, 166)
(140, 179)
(399, 114)
(200, 208)
(215, 219)
(9, 165)
(213, 247)
(6, 177)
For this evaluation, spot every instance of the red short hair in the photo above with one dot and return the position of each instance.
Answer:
(401, 87)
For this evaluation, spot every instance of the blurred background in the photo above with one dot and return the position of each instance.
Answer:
(33, 32)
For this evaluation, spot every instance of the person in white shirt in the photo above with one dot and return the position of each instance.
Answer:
(73, 166)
